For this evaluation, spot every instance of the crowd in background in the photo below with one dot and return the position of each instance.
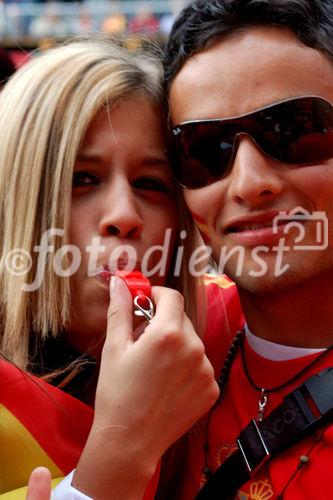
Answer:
(39, 19)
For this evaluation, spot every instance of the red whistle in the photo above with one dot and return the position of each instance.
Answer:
(138, 285)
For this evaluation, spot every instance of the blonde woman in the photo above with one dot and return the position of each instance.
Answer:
(83, 174)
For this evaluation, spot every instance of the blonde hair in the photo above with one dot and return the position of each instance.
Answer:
(192, 287)
(44, 113)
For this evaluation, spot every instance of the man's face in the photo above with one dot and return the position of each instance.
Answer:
(242, 74)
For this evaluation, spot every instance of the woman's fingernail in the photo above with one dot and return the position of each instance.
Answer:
(113, 285)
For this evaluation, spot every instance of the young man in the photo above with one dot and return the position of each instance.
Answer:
(250, 84)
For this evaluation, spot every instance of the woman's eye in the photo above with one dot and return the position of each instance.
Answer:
(153, 184)
(83, 178)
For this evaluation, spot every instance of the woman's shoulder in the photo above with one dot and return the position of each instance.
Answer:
(28, 396)
(41, 425)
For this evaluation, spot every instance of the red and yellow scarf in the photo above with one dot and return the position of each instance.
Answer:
(39, 425)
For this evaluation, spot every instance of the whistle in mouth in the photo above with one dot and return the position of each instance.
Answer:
(140, 290)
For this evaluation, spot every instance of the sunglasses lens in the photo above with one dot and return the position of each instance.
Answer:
(298, 131)
(200, 155)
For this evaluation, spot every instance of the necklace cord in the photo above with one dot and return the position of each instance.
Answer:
(222, 382)
(284, 384)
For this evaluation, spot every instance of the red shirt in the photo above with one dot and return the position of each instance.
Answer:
(240, 404)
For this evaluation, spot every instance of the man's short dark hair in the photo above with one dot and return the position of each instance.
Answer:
(205, 21)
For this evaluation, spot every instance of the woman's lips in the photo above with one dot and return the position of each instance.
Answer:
(104, 276)
(103, 273)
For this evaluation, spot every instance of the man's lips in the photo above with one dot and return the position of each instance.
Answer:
(261, 221)
(262, 229)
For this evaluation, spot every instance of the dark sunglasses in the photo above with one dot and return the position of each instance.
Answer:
(298, 130)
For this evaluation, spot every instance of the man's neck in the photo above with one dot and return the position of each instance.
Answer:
(301, 317)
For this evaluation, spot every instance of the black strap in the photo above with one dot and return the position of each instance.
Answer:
(307, 408)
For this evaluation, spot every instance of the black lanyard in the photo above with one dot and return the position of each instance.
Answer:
(304, 410)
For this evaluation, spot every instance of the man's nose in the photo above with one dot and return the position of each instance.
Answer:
(121, 214)
(255, 178)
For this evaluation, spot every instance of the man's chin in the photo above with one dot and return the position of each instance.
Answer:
(265, 286)
(272, 284)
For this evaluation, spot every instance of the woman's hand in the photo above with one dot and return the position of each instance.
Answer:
(150, 391)
(39, 487)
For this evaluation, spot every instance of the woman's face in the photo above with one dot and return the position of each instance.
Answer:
(123, 202)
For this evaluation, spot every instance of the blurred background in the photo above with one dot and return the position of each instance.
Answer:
(26, 25)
